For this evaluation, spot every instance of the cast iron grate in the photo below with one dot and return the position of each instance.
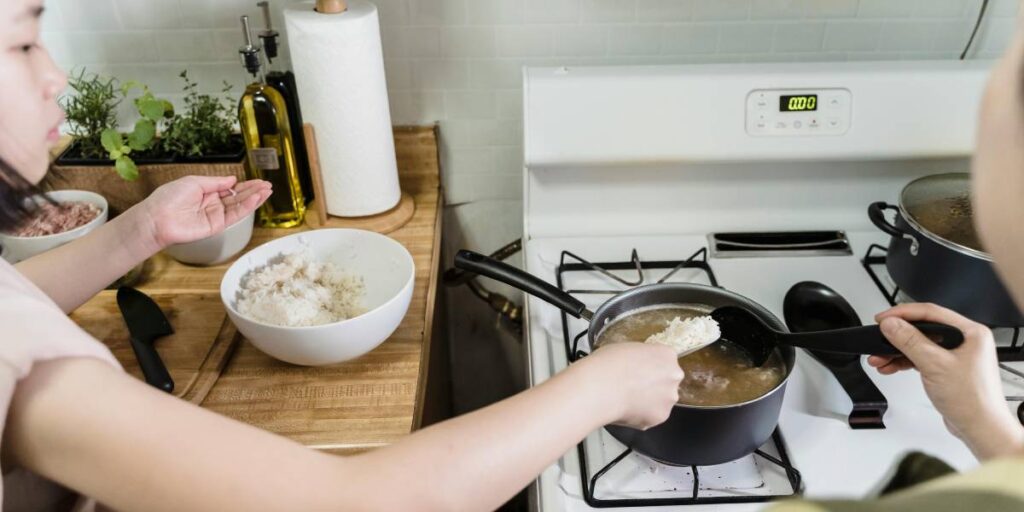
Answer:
(697, 260)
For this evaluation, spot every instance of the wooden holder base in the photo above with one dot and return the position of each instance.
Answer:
(383, 223)
(317, 216)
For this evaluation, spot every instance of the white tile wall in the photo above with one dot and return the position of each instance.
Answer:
(458, 62)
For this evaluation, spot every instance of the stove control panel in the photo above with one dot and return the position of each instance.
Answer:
(798, 112)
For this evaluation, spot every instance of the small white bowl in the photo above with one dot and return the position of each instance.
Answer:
(19, 248)
(387, 270)
(218, 248)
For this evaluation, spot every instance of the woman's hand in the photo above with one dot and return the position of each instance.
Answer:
(963, 383)
(196, 207)
(641, 381)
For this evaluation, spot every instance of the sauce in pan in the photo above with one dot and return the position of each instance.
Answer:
(719, 374)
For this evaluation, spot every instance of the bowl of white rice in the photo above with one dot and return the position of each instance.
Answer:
(320, 297)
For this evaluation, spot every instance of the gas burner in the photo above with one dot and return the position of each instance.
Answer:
(1008, 337)
(628, 479)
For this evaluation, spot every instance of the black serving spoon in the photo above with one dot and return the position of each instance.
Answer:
(759, 340)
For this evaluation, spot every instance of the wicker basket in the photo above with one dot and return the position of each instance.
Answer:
(99, 175)
(121, 194)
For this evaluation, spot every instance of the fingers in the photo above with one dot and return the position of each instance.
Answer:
(243, 192)
(214, 184)
(911, 342)
(927, 313)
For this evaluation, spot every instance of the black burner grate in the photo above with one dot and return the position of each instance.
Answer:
(697, 260)
(876, 256)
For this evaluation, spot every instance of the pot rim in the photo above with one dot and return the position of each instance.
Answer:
(740, 300)
(949, 244)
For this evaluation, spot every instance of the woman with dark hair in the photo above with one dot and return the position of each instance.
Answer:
(73, 417)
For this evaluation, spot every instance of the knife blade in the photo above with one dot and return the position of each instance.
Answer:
(146, 323)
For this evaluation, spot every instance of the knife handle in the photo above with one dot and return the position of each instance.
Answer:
(152, 366)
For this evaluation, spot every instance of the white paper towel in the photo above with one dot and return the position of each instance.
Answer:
(339, 74)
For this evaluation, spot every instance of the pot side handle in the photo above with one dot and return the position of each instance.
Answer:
(490, 267)
(876, 212)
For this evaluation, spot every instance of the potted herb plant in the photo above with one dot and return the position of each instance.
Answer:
(162, 146)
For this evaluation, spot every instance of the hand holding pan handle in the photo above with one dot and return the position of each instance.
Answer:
(485, 266)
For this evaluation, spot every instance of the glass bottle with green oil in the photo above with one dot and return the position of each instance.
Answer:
(263, 118)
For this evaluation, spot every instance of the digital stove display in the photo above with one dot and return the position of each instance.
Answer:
(798, 103)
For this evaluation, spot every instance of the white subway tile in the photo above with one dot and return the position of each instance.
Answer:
(510, 104)
(218, 14)
(913, 36)
(185, 46)
(635, 40)
(704, 10)
(392, 12)
(552, 11)
(467, 42)
(944, 8)
(581, 40)
(416, 107)
(437, 12)
(462, 185)
(495, 12)
(496, 73)
(609, 11)
(480, 133)
(509, 159)
(127, 47)
(398, 73)
(226, 43)
(831, 9)
(689, 39)
(422, 41)
(440, 74)
(469, 161)
(744, 37)
(664, 11)
(852, 35)
(524, 41)
(90, 15)
(469, 105)
(777, 9)
(799, 36)
(886, 8)
(53, 18)
(145, 14)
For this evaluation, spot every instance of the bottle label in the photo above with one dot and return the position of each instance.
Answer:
(264, 159)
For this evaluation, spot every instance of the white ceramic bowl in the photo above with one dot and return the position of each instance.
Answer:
(17, 248)
(387, 270)
(218, 248)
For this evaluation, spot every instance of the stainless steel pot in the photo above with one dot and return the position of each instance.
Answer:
(692, 435)
(935, 255)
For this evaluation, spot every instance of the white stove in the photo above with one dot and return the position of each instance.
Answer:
(653, 160)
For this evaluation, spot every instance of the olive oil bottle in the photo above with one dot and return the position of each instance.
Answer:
(263, 118)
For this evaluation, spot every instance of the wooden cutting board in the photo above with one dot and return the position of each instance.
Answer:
(194, 355)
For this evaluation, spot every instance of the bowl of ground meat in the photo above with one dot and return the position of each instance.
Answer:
(57, 218)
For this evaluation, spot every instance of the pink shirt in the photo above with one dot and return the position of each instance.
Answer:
(34, 329)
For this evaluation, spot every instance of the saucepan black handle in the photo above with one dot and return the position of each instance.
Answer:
(876, 212)
(529, 283)
(870, 340)
(153, 368)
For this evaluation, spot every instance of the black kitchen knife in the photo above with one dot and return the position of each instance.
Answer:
(146, 322)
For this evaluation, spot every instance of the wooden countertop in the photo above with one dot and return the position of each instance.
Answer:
(348, 407)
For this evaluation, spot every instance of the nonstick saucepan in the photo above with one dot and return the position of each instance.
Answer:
(692, 435)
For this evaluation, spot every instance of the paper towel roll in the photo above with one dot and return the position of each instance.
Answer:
(339, 73)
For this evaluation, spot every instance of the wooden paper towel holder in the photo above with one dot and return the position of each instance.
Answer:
(317, 216)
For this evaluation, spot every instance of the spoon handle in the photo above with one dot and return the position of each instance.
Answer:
(870, 340)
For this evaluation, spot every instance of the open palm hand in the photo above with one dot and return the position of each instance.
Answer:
(196, 207)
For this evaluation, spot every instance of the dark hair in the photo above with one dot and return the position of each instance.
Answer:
(15, 191)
